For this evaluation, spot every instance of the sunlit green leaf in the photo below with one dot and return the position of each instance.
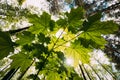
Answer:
(6, 45)
(77, 53)
(41, 24)
(57, 46)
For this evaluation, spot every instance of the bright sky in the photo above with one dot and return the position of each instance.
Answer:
(40, 5)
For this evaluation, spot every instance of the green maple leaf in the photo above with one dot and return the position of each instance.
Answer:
(95, 25)
(53, 76)
(75, 16)
(21, 60)
(6, 45)
(43, 39)
(74, 19)
(77, 53)
(25, 38)
(90, 43)
(94, 28)
(41, 24)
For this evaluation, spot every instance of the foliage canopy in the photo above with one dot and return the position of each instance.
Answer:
(76, 38)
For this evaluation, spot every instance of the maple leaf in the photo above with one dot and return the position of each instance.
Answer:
(41, 24)
(25, 38)
(78, 53)
(6, 45)
(21, 60)
(94, 28)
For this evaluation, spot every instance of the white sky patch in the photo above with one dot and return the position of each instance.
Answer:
(69, 61)
(10, 2)
(99, 55)
(68, 44)
(60, 33)
(39, 5)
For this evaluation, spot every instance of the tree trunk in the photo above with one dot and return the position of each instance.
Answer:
(86, 72)
(10, 74)
(20, 77)
(82, 72)
(95, 72)
(106, 69)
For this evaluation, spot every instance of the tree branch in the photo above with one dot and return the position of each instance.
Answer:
(16, 31)
(108, 9)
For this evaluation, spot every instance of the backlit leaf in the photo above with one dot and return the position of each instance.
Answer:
(77, 53)
(41, 24)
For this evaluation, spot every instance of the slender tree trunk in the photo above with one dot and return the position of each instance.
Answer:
(95, 72)
(5, 67)
(10, 74)
(21, 76)
(106, 69)
(86, 72)
(82, 72)
(112, 7)
(41, 67)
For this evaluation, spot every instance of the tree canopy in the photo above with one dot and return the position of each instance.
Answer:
(47, 44)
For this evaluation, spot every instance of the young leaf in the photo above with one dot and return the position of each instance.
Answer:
(41, 24)
(25, 38)
(6, 45)
(77, 53)
(21, 60)
(54, 44)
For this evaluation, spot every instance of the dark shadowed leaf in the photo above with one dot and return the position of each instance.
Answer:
(94, 28)
(25, 38)
(43, 39)
(6, 45)
(21, 60)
